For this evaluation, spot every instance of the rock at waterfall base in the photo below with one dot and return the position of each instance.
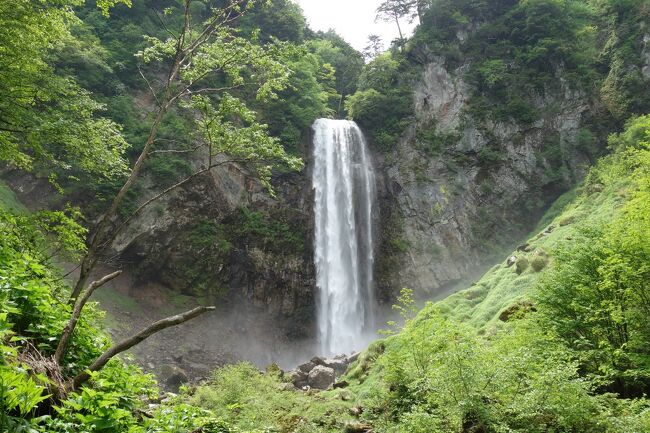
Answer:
(321, 377)
(298, 378)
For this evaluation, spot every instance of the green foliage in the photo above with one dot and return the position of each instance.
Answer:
(310, 95)
(406, 307)
(433, 142)
(538, 261)
(208, 247)
(439, 376)
(251, 401)
(46, 117)
(625, 89)
(521, 264)
(33, 313)
(19, 393)
(517, 50)
(347, 62)
(276, 232)
(231, 131)
(33, 296)
(8, 200)
(279, 19)
(382, 103)
(597, 296)
(107, 405)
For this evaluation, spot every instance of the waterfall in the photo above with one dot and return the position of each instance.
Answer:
(344, 208)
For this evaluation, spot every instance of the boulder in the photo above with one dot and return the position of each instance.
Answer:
(339, 365)
(358, 427)
(356, 411)
(285, 387)
(298, 378)
(341, 384)
(353, 357)
(511, 261)
(317, 360)
(173, 376)
(321, 377)
(524, 248)
(306, 367)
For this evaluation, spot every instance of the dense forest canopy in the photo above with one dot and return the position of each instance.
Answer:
(125, 101)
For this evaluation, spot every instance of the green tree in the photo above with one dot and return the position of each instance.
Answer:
(383, 101)
(46, 117)
(597, 298)
(346, 61)
(394, 10)
(373, 48)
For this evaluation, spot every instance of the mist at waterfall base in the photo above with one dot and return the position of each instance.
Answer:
(344, 210)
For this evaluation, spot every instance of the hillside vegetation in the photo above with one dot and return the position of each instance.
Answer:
(553, 339)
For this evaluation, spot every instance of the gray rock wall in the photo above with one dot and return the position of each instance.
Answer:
(450, 208)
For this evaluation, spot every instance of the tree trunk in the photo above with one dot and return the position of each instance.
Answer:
(399, 28)
(76, 314)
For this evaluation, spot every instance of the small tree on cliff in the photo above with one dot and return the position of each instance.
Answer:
(373, 48)
(393, 10)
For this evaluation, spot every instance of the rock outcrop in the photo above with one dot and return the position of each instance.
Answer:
(458, 187)
(321, 377)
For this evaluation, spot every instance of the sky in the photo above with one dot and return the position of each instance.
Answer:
(354, 20)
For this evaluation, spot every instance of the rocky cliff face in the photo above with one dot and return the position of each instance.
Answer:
(458, 187)
(224, 238)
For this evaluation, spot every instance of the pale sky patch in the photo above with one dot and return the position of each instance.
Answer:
(354, 20)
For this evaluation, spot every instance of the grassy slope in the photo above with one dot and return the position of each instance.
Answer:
(482, 303)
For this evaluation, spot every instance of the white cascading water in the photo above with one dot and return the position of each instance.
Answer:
(344, 207)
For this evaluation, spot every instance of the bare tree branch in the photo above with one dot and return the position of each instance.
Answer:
(166, 191)
(164, 25)
(76, 313)
(124, 345)
(153, 92)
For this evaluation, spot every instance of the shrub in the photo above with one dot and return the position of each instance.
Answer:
(521, 265)
(539, 262)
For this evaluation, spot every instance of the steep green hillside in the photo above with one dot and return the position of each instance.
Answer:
(509, 283)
